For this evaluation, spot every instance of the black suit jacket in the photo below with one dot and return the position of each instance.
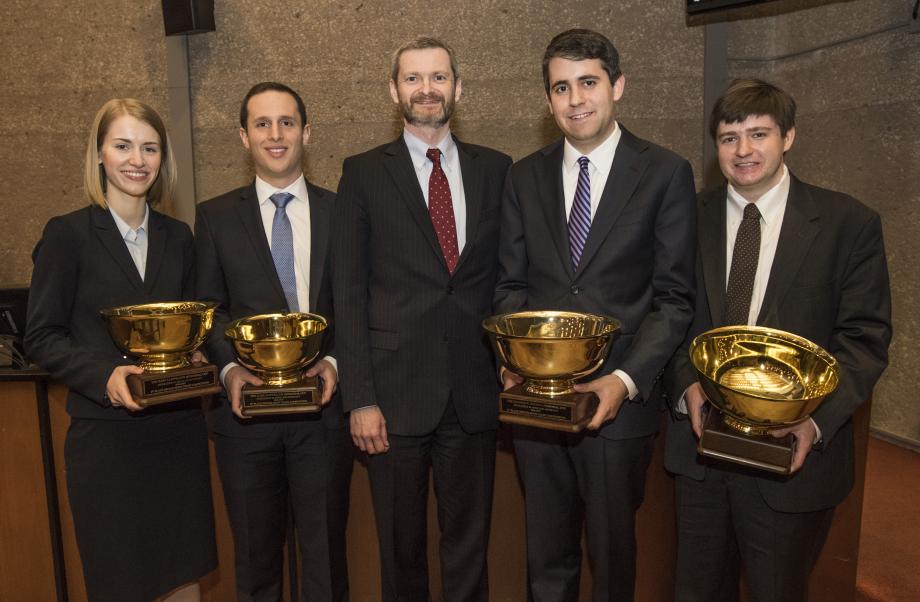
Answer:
(410, 334)
(82, 265)
(236, 270)
(829, 284)
(637, 264)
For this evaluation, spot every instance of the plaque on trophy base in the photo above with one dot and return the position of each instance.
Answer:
(299, 397)
(152, 388)
(570, 412)
(765, 452)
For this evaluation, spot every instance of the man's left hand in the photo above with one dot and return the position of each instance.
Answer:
(330, 377)
(805, 435)
(611, 391)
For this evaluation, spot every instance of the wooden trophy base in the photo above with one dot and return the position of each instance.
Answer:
(295, 398)
(152, 388)
(764, 452)
(570, 412)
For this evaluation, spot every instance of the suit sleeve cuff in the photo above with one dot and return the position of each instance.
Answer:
(632, 390)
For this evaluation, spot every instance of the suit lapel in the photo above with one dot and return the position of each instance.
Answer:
(712, 250)
(471, 175)
(552, 199)
(399, 165)
(107, 231)
(800, 226)
(247, 207)
(156, 249)
(625, 172)
(319, 239)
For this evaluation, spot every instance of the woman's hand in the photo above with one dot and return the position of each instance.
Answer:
(117, 388)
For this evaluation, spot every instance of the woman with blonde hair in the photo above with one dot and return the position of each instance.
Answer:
(137, 479)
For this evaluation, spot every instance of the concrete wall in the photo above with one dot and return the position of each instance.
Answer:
(854, 70)
(337, 55)
(61, 60)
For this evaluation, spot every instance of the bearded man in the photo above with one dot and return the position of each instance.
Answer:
(415, 261)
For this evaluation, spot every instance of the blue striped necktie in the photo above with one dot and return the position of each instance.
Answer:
(283, 247)
(580, 215)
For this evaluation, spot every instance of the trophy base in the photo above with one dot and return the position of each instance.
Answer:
(153, 388)
(295, 398)
(764, 452)
(570, 412)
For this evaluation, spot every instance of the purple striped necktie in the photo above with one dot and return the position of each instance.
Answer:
(580, 215)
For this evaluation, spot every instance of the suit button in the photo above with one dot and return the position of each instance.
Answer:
(575, 290)
(450, 290)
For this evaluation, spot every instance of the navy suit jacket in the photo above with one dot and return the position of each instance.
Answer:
(636, 267)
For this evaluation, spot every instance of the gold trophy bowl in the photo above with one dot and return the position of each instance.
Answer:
(550, 350)
(759, 379)
(161, 336)
(278, 348)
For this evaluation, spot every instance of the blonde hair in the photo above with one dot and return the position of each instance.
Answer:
(93, 177)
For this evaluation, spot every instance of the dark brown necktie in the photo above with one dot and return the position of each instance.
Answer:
(744, 267)
(441, 209)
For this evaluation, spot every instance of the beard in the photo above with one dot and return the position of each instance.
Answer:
(427, 119)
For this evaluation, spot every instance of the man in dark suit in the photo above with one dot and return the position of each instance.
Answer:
(415, 260)
(264, 248)
(599, 222)
(820, 272)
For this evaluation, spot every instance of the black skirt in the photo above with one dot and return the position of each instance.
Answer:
(140, 494)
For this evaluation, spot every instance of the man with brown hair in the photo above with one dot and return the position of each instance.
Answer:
(415, 248)
(820, 273)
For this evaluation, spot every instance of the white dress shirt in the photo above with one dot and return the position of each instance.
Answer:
(450, 163)
(600, 160)
(298, 212)
(135, 240)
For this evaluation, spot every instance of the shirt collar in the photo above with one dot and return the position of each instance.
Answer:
(770, 204)
(601, 157)
(418, 150)
(264, 190)
(124, 229)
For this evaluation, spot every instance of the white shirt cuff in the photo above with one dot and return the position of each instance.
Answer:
(631, 388)
(818, 435)
(334, 362)
(682, 403)
(224, 370)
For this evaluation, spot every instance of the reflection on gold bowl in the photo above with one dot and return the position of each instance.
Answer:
(160, 334)
(551, 349)
(277, 347)
(762, 378)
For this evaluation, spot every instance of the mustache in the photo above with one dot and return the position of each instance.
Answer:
(430, 96)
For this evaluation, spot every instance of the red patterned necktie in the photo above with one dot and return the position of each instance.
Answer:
(441, 209)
